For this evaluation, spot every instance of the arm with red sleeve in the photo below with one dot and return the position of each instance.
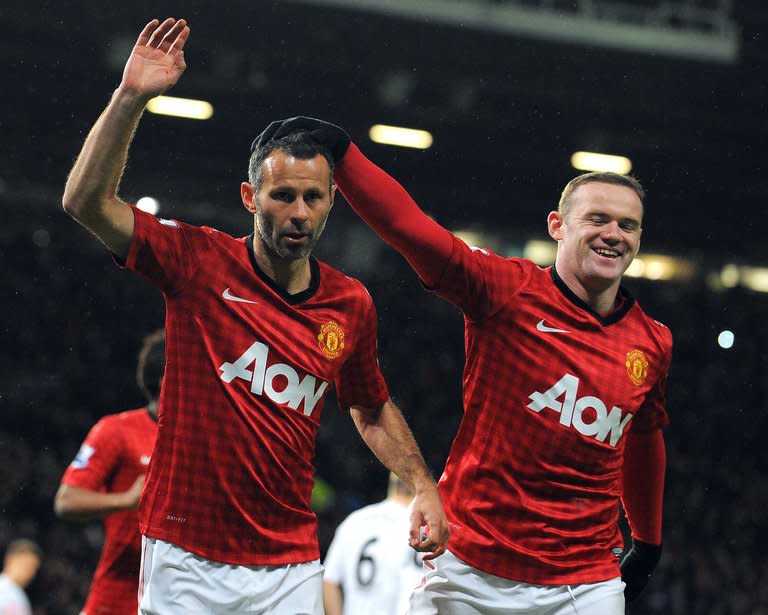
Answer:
(643, 494)
(390, 211)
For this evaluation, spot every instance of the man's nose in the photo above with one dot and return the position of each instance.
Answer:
(300, 209)
(612, 231)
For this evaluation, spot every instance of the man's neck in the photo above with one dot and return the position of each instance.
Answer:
(293, 276)
(601, 299)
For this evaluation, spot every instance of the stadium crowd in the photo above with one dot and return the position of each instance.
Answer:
(71, 337)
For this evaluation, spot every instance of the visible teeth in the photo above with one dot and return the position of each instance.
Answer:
(609, 253)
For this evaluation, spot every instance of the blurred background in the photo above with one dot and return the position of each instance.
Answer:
(508, 92)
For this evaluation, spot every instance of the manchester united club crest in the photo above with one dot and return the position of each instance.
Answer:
(331, 339)
(637, 366)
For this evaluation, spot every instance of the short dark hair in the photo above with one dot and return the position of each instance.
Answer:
(299, 144)
(24, 545)
(151, 364)
(605, 177)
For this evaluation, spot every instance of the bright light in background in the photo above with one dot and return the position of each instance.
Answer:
(592, 161)
(148, 204)
(540, 252)
(636, 269)
(471, 238)
(755, 278)
(181, 107)
(725, 339)
(730, 276)
(402, 137)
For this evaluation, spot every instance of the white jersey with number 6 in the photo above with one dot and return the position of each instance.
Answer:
(371, 560)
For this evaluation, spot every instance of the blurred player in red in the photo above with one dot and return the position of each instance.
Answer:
(563, 400)
(257, 333)
(105, 481)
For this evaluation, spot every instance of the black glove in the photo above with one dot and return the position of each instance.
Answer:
(637, 566)
(333, 137)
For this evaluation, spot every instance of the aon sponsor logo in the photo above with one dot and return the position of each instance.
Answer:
(588, 415)
(252, 366)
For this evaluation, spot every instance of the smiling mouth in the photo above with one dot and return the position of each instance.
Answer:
(607, 253)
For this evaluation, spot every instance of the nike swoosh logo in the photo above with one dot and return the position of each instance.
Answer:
(230, 297)
(545, 329)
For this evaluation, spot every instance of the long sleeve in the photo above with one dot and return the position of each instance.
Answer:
(391, 212)
(644, 468)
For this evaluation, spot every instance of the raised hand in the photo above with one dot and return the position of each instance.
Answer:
(157, 60)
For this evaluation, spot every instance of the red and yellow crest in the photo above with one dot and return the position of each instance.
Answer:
(637, 366)
(331, 339)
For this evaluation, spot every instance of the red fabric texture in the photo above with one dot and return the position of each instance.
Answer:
(246, 374)
(645, 462)
(551, 389)
(114, 454)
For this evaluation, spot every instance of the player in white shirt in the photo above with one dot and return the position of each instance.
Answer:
(369, 567)
(20, 565)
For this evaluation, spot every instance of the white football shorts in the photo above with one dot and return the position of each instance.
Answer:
(453, 587)
(173, 580)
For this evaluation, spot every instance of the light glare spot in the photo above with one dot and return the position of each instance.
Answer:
(725, 339)
(148, 204)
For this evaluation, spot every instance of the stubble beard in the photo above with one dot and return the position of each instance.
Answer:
(266, 231)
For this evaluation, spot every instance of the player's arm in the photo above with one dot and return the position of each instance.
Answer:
(79, 504)
(643, 496)
(393, 214)
(333, 598)
(387, 434)
(378, 199)
(90, 195)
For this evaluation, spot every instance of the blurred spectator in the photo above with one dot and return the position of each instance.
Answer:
(22, 560)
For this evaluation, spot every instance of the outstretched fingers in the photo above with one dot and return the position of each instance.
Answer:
(175, 38)
(146, 33)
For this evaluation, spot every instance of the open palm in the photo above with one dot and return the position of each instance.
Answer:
(157, 59)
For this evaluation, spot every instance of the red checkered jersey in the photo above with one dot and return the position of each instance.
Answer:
(247, 368)
(115, 453)
(551, 388)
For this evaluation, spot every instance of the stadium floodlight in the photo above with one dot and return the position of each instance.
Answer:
(755, 278)
(402, 137)
(594, 161)
(188, 108)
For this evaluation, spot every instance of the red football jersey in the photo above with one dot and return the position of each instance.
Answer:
(533, 480)
(115, 453)
(247, 368)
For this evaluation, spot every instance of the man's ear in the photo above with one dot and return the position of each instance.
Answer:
(247, 192)
(555, 225)
(333, 194)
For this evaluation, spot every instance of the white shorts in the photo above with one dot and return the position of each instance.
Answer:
(453, 587)
(175, 581)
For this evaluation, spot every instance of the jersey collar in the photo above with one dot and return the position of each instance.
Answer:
(314, 281)
(625, 297)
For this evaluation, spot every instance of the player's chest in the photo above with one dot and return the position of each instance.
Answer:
(571, 355)
(251, 329)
